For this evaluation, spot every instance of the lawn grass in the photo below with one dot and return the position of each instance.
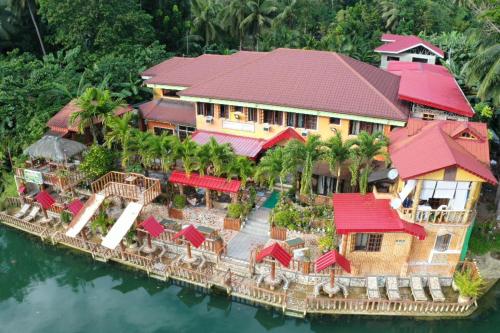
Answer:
(482, 242)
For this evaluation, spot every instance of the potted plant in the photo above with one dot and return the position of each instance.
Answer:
(178, 205)
(66, 218)
(468, 284)
(232, 221)
(131, 239)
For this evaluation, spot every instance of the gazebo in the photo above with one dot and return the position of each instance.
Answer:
(329, 260)
(192, 236)
(54, 148)
(153, 229)
(276, 253)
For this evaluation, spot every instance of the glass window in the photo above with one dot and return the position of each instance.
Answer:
(252, 114)
(428, 116)
(310, 122)
(367, 242)
(334, 121)
(185, 131)
(273, 117)
(356, 127)
(223, 111)
(389, 58)
(205, 109)
(422, 60)
(161, 130)
(442, 243)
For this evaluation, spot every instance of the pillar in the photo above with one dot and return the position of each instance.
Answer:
(208, 198)
(343, 249)
(188, 248)
(416, 199)
(181, 189)
(471, 200)
(234, 197)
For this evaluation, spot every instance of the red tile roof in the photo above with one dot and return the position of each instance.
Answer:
(285, 135)
(355, 212)
(331, 258)
(60, 122)
(166, 66)
(430, 85)
(312, 80)
(277, 252)
(191, 234)
(208, 182)
(45, 199)
(397, 44)
(152, 226)
(169, 111)
(426, 146)
(75, 206)
(242, 145)
(202, 68)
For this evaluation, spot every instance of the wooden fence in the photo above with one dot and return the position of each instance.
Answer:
(278, 233)
(275, 298)
(232, 224)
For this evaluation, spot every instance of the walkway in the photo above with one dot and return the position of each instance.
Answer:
(256, 231)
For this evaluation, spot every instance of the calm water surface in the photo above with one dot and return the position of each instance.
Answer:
(51, 290)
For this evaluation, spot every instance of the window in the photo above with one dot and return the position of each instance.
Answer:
(161, 130)
(273, 117)
(422, 60)
(223, 111)
(205, 109)
(334, 121)
(389, 58)
(428, 116)
(367, 242)
(467, 135)
(185, 131)
(356, 127)
(252, 114)
(169, 93)
(238, 109)
(300, 120)
(442, 243)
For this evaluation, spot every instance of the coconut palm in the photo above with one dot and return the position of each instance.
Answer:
(483, 71)
(165, 148)
(242, 168)
(336, 154)
(17, 6)
(188, 150)
(141, 145)
(119, 133)
(272, 168)
(221, 155)
(390, 13)
(232, 18)
(204, 13)
(204, 159)
(260, 15)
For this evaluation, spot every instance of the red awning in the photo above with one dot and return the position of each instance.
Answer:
(152, 226)
(242, 145)
(414, 230)
(45, 199)
(287, 134)
(75, 206)
(192, 234)
(208, 182)
(277, 252)
(331, 258)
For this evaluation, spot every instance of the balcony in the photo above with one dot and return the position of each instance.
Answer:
(62, 179)
(425, 214)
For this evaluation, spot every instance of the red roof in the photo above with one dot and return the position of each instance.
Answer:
(152, 226)
(287, 134)
(45, 199)
(166, 66)
(430, 85)
(21, 189)
(311, 80)
(242, 145)
(277, 252)
(355, 212)
(397, 44)
(60, 122)
(208, 182)
(75, 206)
(331, 258)
(175, 112)
(192, 234)
(442, 148)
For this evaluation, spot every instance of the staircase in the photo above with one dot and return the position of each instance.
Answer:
(85, 214)
(256, 231)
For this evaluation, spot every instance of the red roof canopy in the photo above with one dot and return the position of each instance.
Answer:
(208, 182)
(331, 258)
(21, 189)
(355, 212)
(399, 43)
(192, 234)
(45, 199)
(277, 252)
(286, 134)
(242, 145)
(169, 111)
(75, 206)
(152, 226)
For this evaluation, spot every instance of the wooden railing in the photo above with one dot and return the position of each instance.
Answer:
(127, 191)
(338, 305)
(63, 181)
(278, 233)
(184, 273)
(30, 227)
(437, 216)
(232, 224)
(276, 298)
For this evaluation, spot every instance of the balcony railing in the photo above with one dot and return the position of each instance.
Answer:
(437, 215)
(62, 181)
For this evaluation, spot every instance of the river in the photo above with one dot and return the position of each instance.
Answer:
(50, 290)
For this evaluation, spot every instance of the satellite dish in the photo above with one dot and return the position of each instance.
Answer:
(392, 174)
(396, 203)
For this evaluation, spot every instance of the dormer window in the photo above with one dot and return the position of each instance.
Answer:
(467, 135)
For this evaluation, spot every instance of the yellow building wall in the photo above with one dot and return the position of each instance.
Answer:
(157, 93)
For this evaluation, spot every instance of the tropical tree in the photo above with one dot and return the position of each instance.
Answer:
(221, 156)
(204, 13)
(188, 150)
(242, 168)
(484, 71)
(165, 148)
(336, 154)
(232, 18)
(18, 6)
(119, 133)
(141, 147)
(272, 168)
(260, 16)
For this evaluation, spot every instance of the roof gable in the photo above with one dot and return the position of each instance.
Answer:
(397, 44)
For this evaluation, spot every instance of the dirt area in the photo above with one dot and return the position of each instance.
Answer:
(488, 266)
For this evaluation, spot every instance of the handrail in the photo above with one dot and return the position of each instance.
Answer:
(436, 215)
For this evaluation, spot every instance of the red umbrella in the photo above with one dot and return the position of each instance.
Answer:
(329, 259)
(276, 252)
(153, 227)
(192, 235)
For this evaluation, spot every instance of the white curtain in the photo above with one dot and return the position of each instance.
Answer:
(461, 195)
(445, 190)
(427, 189)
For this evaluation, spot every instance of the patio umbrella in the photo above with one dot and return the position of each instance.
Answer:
(153, 228)
(277, 253)
(54, 148)
(192, 235)
(328, 260)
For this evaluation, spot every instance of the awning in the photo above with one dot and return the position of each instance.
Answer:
(191, 234)
(285, 135)
(414, 230)
(152, 226)
(242, 145)
(331, 258)
(170, 111)
(122, 225)
(209, 182)
(45, 199)
(75, 206)
(277, 252)
(21, 190)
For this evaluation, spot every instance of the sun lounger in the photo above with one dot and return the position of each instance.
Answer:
(417, 289)
(345, 290)
(392, 288)
(24, 209)
(435, 289)
(372, 290)
(32, 215)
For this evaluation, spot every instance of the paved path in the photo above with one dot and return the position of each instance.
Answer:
(255, 232)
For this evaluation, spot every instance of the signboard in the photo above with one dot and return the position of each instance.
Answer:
(32, 176)
(240, 126)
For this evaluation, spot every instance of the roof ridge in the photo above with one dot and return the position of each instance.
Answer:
(367, 82)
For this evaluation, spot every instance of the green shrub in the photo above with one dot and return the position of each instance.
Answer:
(326, 243)
(468, 284)
(66, 217)
(289, 218)
(179, 201)
(97, 162)
(235, 210)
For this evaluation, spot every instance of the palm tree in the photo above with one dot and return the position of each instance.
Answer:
(141, 145)
(204, 159)
(95, 104)
(483, 70)
(119, 133)
(18, 6)
(272, 167)
(221, 156)
(189, 155)
(232, 18)
(242, 168)
(337, 153)
(204, 13)
(390, 13)
(260, 15)
(165, 148)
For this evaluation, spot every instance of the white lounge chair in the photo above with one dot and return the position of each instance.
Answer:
(435, 289)
(345, 290)
(24, 209)
(392, 288)
(417, 289)
(32, 215)
(372, 290)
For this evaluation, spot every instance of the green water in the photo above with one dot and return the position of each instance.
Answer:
(51, 290)
(272, 200)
